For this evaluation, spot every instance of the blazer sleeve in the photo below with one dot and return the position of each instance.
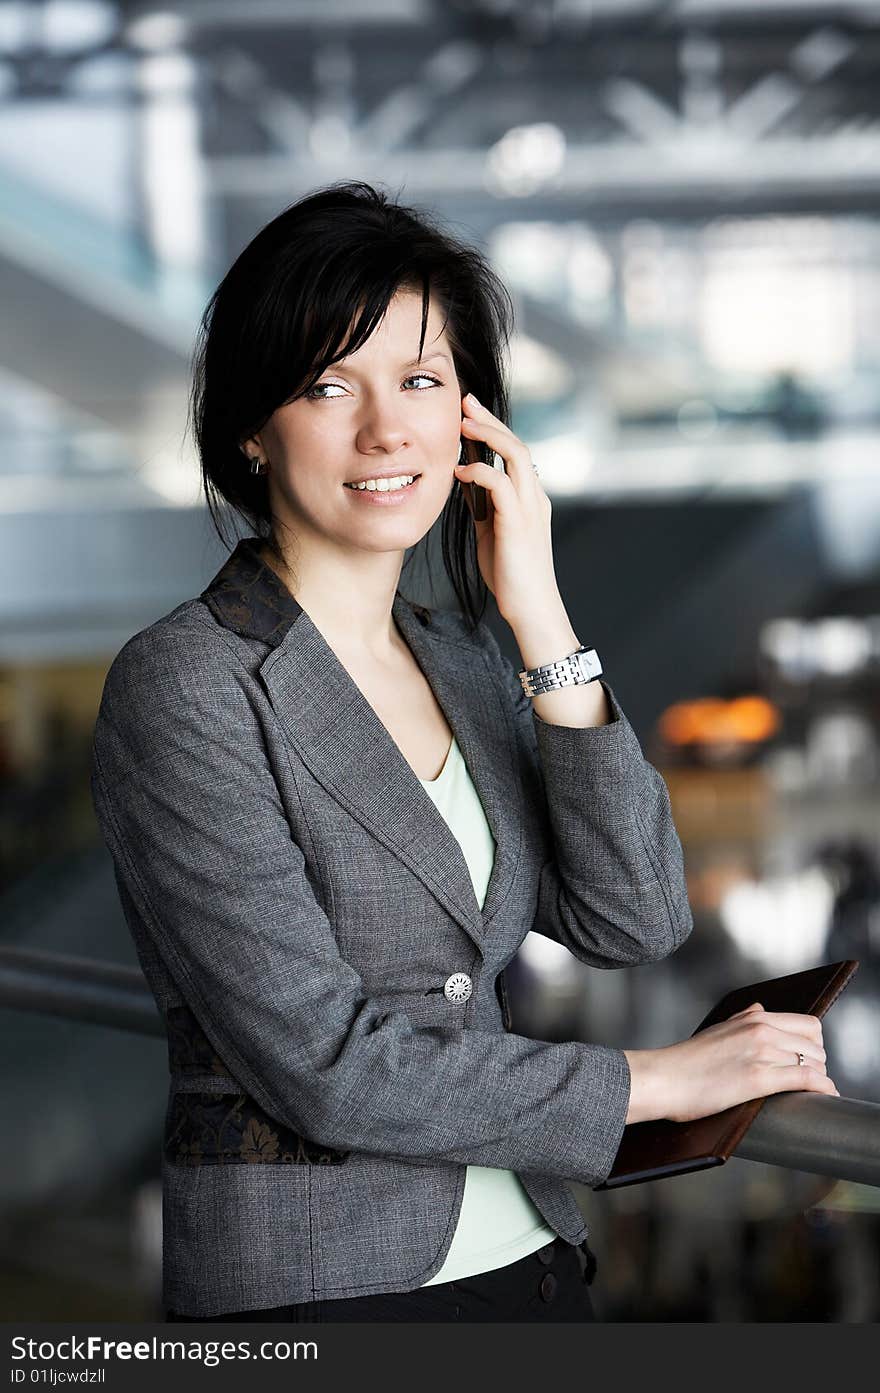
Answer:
(614, 891)
(191, 812)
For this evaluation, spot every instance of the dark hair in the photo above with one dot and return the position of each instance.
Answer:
(277, 320)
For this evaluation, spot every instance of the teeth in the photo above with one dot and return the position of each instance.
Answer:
(384, 485)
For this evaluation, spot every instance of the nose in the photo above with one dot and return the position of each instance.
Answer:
(381, 428)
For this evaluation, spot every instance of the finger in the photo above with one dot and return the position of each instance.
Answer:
(788, 1042)
(787, 1054)
(497, 483)
(478, 418)
(475, 410)
(479, 423)
(802, 1078)
(512, 450)
(797, 1023)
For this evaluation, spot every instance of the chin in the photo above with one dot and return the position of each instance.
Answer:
(391, 539)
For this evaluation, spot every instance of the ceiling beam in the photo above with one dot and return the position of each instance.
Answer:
(848, 163)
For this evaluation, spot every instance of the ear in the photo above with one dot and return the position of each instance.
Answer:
(252, 446)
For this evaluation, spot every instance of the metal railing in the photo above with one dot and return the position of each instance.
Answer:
(81, 989)
(838, 1137)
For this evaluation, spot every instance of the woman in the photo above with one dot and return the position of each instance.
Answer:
(334, 816)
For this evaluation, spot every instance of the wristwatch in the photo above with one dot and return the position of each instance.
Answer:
(581, 666)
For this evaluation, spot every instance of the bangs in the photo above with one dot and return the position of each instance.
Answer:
(346, 308)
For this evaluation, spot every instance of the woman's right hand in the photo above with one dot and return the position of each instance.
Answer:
(750, 1055)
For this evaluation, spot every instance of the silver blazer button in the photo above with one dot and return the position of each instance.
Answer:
(458, 987)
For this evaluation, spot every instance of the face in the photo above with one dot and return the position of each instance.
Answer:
(376, 413)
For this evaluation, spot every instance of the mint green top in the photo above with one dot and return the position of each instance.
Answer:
(498, 1222)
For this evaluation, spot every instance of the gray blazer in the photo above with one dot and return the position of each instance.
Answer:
(299, 906)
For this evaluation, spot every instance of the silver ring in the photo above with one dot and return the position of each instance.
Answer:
(800, 1058)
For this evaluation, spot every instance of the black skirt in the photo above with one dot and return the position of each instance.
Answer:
(551, 1284)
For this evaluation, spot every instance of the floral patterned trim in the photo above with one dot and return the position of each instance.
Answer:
(220, 1129)
(248, 597)
(189, 1049)
(214, 1128)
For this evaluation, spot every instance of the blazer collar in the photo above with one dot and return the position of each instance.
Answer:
(346, 747)
(248, 597)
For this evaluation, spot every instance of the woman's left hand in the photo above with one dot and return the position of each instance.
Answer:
(514, 548)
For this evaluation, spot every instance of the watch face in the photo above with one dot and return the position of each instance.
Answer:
(590, 664)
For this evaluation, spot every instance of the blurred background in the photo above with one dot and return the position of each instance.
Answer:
(682, 196)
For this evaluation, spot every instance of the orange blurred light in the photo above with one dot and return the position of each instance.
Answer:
(712, 720)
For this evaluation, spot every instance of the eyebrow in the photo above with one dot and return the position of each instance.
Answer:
(426, 359)
(413, 362)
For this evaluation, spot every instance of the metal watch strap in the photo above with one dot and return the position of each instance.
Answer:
(581, 666)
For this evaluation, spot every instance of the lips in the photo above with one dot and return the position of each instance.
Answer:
(378, 480)
(385, 498)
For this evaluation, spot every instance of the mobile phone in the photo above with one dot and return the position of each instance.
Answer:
(474, 494)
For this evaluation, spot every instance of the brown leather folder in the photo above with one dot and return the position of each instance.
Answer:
(652, 1150)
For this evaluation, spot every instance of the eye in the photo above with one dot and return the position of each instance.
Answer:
(313, 391)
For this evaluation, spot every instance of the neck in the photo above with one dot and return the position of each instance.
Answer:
(350, 604)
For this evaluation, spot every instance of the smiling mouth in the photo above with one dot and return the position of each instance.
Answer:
(395, 485)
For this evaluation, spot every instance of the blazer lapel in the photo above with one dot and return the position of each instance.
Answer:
(347, 748)
(474, 705)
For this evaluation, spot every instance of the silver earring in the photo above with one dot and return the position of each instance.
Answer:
(258, 466)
